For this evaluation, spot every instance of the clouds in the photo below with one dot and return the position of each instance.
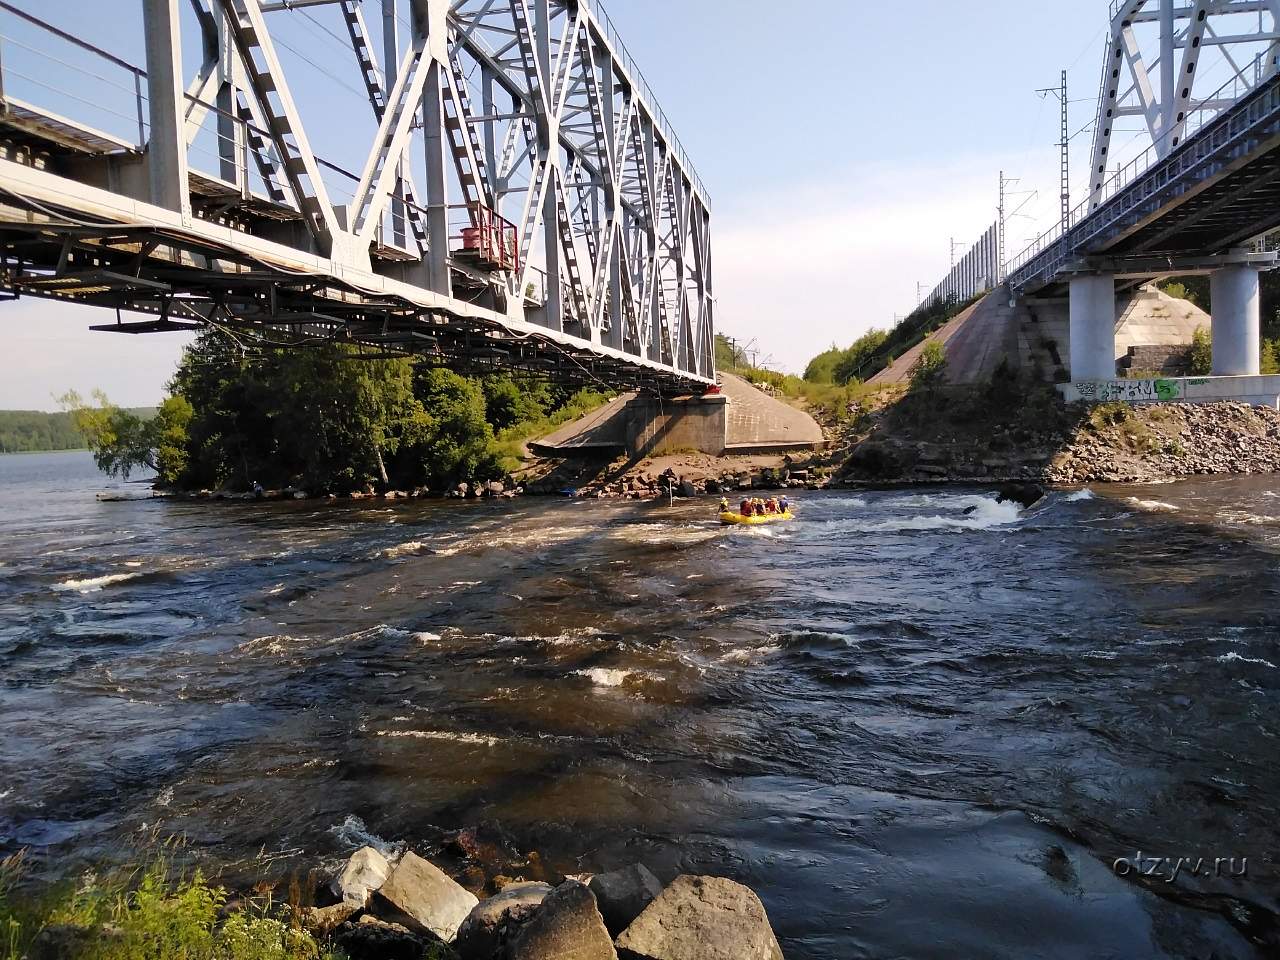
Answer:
(799, 269)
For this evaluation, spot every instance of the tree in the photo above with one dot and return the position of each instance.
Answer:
(1200, 356)
(459, 441)
(855, 363)
(822, 368)
(509, 401)
(121, 441)
(170, 440)
(324, 418)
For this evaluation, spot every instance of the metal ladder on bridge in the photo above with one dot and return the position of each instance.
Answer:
(570, 249)
(373, 82)
(468, 154)
(264, 84)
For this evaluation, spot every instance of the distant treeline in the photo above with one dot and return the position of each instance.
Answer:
(25, 431)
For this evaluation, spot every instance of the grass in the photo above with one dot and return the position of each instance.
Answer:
(152, 913)
(509, 443)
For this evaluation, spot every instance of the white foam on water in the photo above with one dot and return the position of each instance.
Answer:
(425, 636)
(5, 794)
(165, 798)
(470, 738)
(274, 643)
(1228, 657)
(1242, 516)
(983, 513)
(1155, 506)
(1080, 495)
(604, 677)
(353, 834)
(94, 584)
(407, 549)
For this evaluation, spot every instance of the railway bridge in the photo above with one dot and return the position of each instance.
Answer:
(1199, 199)
(484, 183)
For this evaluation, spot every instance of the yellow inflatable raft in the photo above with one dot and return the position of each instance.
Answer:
(731, 518)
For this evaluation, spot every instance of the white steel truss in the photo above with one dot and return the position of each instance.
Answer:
(524, 123)
(1174, 64)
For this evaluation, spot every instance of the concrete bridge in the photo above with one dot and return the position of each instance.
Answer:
(499, 189)
(1196, 201)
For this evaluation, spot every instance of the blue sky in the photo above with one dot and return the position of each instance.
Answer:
(844, 142)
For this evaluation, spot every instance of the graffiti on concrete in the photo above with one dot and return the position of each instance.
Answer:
(1132, 391)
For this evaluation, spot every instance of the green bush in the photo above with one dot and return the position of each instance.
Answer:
(930, 370)
(156, 913)
(1200, 357)
(1270, 356)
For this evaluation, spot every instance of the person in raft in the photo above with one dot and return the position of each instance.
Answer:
(748, 508)
(724, 504)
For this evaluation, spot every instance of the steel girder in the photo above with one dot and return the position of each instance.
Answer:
(1154, 59)
(531, 109)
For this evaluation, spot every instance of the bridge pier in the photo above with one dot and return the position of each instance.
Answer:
(1235, 306)
(1093, 327)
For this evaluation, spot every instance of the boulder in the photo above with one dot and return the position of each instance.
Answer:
(364, 873)
(1024, 494)
(374, 939)
(490, 925)
(322, 921)
(686, 489)
(566, 925)
(423, 898)
(623, 894)
(701, 918)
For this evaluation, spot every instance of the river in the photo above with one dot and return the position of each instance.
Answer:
(918, 723)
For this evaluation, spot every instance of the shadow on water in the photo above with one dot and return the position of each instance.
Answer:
(916, 731)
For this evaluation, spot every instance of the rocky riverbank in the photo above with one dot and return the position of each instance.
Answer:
(1161, 442)
(404, 906)
(684, 475)
(1056, 443)
(397, 905)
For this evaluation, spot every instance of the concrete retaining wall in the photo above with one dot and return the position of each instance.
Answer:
(1261, 391)
(655, 426)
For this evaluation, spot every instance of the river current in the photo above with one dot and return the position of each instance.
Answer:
(917, 723)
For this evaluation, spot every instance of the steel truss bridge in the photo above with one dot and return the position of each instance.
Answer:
(510, 195)
(1207, 181)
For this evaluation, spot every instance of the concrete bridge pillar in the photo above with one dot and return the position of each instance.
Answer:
(1093, 327)
(1236, 306)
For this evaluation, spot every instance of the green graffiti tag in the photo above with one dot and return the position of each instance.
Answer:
(1166, 389)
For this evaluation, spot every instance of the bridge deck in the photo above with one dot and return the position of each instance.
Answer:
(1220, 188)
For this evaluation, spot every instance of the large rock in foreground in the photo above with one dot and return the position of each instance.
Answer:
(493, 922)
(363, 875)
(423, 898)
(622, 895)
(701, 918)
(372, 939)
(566, 927)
